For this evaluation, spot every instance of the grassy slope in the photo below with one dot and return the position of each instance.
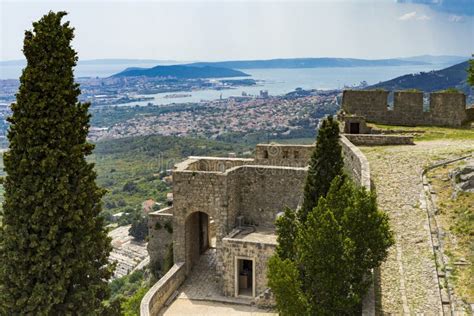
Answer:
(456, 217)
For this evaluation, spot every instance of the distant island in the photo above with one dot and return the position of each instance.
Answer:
(182, 72)
(451, 77)
(309, 63)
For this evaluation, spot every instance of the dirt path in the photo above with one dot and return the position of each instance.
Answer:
(407, 282)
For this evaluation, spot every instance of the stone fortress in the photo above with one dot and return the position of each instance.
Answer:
(445, 108)
(229, 205)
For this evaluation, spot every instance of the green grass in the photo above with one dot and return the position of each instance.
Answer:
(425, 133)
(456, 217)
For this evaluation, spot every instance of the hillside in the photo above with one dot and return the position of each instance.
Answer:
(451, 77)
(182, 72)
(308, 63)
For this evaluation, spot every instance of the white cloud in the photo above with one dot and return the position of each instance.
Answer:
(455, 18)
(414, 16)
(408, 16)
(423, 17)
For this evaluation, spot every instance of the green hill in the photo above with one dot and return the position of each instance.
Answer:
(182, 72)
(451, 77)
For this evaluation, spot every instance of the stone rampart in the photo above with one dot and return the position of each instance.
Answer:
(355, 163)
(379, 139)
(445, 109)
(157, 296)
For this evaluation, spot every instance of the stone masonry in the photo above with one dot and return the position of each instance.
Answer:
(445, 109)
(237, 201)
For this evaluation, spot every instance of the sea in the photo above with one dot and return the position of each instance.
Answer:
(275, 81)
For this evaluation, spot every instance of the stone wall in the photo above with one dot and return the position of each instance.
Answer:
(264, 191)
(355, 163)
(283, 155)
(159, 235)
(197, 192)
(379, 139)
(259, 252)
(445, 109)
(157, 296)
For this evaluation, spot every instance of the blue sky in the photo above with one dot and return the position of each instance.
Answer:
(223, 30)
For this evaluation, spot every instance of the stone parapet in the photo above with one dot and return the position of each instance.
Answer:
(355, 163)
(156, 297)
(379, 139)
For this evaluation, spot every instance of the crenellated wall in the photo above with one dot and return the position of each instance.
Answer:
(445, 109)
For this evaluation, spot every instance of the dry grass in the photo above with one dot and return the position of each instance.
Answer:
(456, 218)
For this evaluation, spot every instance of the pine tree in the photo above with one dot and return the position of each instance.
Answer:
(326, 163)
(53, 245)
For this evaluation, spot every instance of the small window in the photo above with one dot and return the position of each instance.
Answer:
(265, 154)
(285, 154)
(296, 154)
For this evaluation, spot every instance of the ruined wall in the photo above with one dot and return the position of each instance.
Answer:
(371, 104)
(446, 109)
(264, 191)
(259, 252)
(159, 234)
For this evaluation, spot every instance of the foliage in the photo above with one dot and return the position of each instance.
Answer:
(169, 260)
(127, 292)
(285, 282)
(139, 165)
(139, 228)
(450, 90)
(286, 229)
(470, 75)
(131, 307)
(342, 239)
(326, 163)
(54, 249)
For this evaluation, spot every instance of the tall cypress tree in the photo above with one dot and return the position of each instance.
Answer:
(53, 245)
(325, 164)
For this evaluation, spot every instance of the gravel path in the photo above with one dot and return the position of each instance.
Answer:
(407, 281)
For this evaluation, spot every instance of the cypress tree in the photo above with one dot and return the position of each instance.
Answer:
(53, 245)
(286, 230)
(325, 164)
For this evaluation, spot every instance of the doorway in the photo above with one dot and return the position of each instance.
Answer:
(245, 277)
(354, 128)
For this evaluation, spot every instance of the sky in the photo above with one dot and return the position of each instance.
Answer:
(237, 30)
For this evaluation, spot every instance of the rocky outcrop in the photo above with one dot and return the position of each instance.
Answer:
(463, 177)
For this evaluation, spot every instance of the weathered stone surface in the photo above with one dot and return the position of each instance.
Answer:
(379, 139)
(463, 177)
(446, 109)
(406, 282)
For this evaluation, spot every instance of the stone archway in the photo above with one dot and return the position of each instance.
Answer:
(197, 237)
